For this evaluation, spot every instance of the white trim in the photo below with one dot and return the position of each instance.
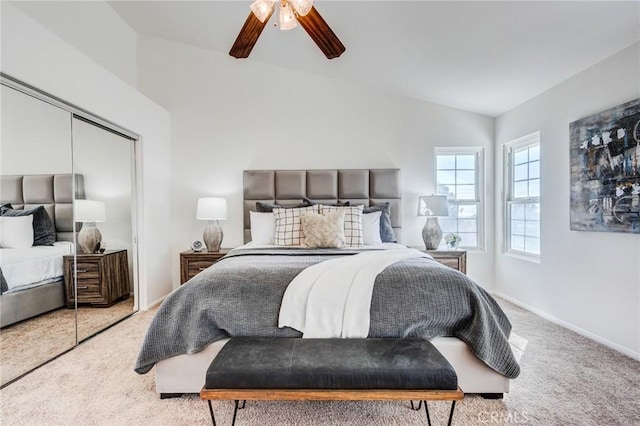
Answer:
(619, 348)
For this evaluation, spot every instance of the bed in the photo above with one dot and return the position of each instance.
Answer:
(33, 276)
(241, 294)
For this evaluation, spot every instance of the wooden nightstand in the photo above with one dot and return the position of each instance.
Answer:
(193, 262)
(456, 259)
(102, 278)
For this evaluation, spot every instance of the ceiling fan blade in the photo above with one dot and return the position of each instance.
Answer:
(248, 36)
(321, 34)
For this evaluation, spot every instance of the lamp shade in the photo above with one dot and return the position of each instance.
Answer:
(262, 9)
(433, 205)
(89, 211)
(287, 17)
(211, 209)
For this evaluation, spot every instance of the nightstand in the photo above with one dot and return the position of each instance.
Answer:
(193, 262)
(456, 259)
(102, 278)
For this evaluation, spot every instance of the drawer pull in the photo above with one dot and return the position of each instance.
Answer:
(85, 287)
(201, 269)
(80, 271)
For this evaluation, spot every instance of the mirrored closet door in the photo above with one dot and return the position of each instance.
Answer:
(105, 255)
(65, 174)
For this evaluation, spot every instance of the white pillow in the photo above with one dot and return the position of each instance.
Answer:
(371, 228)
(288, 225)
(16, 231)
(352, 223)
(263, 227)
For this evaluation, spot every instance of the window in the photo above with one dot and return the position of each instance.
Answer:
(459, 176)
(523, 196)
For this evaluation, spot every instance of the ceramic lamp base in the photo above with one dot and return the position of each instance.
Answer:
(432, 233)
(212, 236)
(89, 238)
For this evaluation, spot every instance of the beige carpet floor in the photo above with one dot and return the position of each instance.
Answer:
(566, 380)
(28, 344)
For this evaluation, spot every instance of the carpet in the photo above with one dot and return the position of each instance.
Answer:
(566, 380)
(28, 344)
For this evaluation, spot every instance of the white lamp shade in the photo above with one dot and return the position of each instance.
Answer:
(433, 205)
(211, 209)
(262, 9)
(302, 7)
(287, 17)
(89, 211)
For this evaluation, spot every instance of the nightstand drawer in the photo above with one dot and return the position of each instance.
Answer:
(197, 266)
(451, 263)
(455, 259)
(88, 271)
(194, 262)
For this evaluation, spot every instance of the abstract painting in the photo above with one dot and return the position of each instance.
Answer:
(605, 170)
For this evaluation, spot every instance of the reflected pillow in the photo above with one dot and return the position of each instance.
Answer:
(16, 232)
(263, 227)
(44, 233)
(323, 231)
(371, 228)
(386, 230)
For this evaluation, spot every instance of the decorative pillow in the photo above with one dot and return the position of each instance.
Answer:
(311, 203)
(371, 228)
(16, 231)
(386, 230)
(44, 233)
(352, 224)
(288, 225)
(263, 227)
(325, 231)
(268, 207)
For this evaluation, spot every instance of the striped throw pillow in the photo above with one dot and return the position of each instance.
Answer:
(288, 225)
(352, 223)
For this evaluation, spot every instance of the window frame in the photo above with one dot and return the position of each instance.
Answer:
(529, 141)
(479, 201)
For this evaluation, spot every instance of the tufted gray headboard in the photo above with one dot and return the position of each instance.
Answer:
(358, 186)
(54, 192)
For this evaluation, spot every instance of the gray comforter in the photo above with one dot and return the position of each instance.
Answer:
(240, 296)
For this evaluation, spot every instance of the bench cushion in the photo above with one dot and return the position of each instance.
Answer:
(294, 363)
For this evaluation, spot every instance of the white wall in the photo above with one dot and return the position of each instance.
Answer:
(229, 115)
(35, 137)
(38, 57)
(588, 281)
(94, 28)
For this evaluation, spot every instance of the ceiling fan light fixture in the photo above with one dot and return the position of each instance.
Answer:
(262, 9)
(287, 17)
(302, 7)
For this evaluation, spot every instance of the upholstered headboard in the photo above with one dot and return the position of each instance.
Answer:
(54, 192)
(358, 186)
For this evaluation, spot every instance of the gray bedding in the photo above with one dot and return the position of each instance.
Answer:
(240, 296)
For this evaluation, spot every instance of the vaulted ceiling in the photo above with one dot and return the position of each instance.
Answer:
(486, 57)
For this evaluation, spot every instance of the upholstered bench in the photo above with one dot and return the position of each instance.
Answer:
(330, 369)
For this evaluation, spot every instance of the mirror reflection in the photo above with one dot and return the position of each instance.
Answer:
(104, 259)
(36, 232)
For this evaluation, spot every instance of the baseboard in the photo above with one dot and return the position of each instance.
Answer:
(155, 303)
(626, 351)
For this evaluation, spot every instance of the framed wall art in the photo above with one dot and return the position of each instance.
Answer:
(605, 170)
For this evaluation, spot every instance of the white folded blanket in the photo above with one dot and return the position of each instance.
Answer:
(333, 298)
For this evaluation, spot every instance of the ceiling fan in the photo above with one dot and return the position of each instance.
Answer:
(291, 13)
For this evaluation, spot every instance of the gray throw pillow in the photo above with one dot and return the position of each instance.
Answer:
(44, 233)
(262, 207)
(386, 230)
(311, 203)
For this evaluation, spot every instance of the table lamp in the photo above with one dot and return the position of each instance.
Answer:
(89, 213)
(432, 206)
(212, 209)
